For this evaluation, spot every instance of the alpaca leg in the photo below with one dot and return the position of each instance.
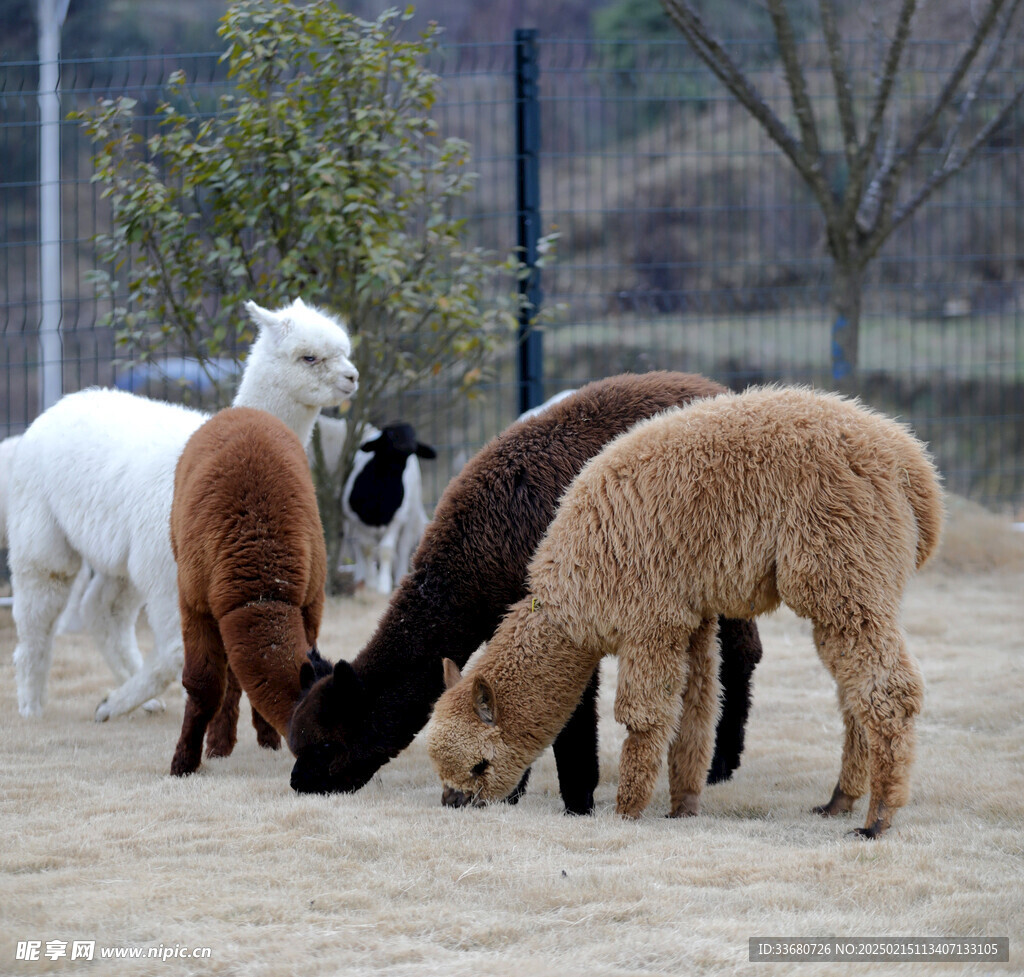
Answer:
(204, 677)
(40, 595)
(576, 753)
(222, 733)
(267, 737)
(648, 700)
(72, 618)
(159, 670)
(110, 609)
(741, 652)
(853, 775)
(882, 686)
(853, 781)
(690, 751)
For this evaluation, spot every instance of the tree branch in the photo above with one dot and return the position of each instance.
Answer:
(941, 175)
(870, 204)
(978, 81)
(883, 92)
(802, 107)
(888, 178)
(840, 79)
(711, 52)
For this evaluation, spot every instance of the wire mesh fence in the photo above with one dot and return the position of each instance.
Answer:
(686, 241)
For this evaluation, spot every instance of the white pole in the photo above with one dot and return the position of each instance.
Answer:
(50, 15)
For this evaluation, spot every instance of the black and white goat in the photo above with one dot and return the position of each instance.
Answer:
(383, 505)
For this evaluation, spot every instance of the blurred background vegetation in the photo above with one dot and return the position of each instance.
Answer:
(686, 240)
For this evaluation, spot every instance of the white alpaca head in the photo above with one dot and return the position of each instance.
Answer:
(299, 363)
(310, 351)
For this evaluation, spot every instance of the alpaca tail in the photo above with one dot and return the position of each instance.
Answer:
(924, 493)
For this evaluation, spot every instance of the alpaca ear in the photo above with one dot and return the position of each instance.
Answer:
(261, 317)
(276, 324)
(425, 451)
(347, 686)
(483, 700)
(306, 677)
(451, 673)
(320, 665)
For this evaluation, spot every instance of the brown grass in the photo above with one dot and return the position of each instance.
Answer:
(102, 844)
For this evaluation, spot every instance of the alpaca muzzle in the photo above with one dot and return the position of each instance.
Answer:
(450, 797)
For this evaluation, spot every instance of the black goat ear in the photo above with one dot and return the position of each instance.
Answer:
(306, 677)
(372, 444)
(347, 686)
(425, 451)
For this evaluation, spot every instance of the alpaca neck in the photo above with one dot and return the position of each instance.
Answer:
(543, 674)
(259, 388)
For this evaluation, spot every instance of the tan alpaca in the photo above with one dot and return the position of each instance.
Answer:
(729, 507)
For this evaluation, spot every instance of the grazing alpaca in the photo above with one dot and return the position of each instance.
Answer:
(93, 478)
(246, 536)
(383, 505)
(727, 507)
(470, 566)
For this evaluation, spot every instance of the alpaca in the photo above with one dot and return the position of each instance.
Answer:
(383, 505)
(470, 566)
(93, 479)
(246, 535)
(729, 507)
(7, 447)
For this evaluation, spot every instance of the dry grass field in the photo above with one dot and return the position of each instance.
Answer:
(101, 844)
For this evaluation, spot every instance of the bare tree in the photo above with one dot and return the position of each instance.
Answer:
(879, 154)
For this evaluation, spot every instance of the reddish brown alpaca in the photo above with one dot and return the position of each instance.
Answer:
(246, 535)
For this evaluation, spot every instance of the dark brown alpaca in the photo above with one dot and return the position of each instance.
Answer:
(469, 568)
(246, 535)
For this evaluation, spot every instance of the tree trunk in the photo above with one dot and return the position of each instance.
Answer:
(847, 287)
(328, 498)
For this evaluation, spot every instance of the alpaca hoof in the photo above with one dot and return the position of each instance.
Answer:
(870, 833)
(628, 812)
(722, 770)
(687, 807)
(269, 740)
(183, 767)
(103, 712)
(581, 807)
(839, 803)
(153, 705)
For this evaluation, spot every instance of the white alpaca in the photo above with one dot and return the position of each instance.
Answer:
(74, 614)
(7, 447)
(93, 480)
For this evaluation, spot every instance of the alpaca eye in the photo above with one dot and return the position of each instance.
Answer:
(309, 359)
(480, 768)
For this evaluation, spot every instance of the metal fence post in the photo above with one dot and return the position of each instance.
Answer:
(51, 14)
(531, 355)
